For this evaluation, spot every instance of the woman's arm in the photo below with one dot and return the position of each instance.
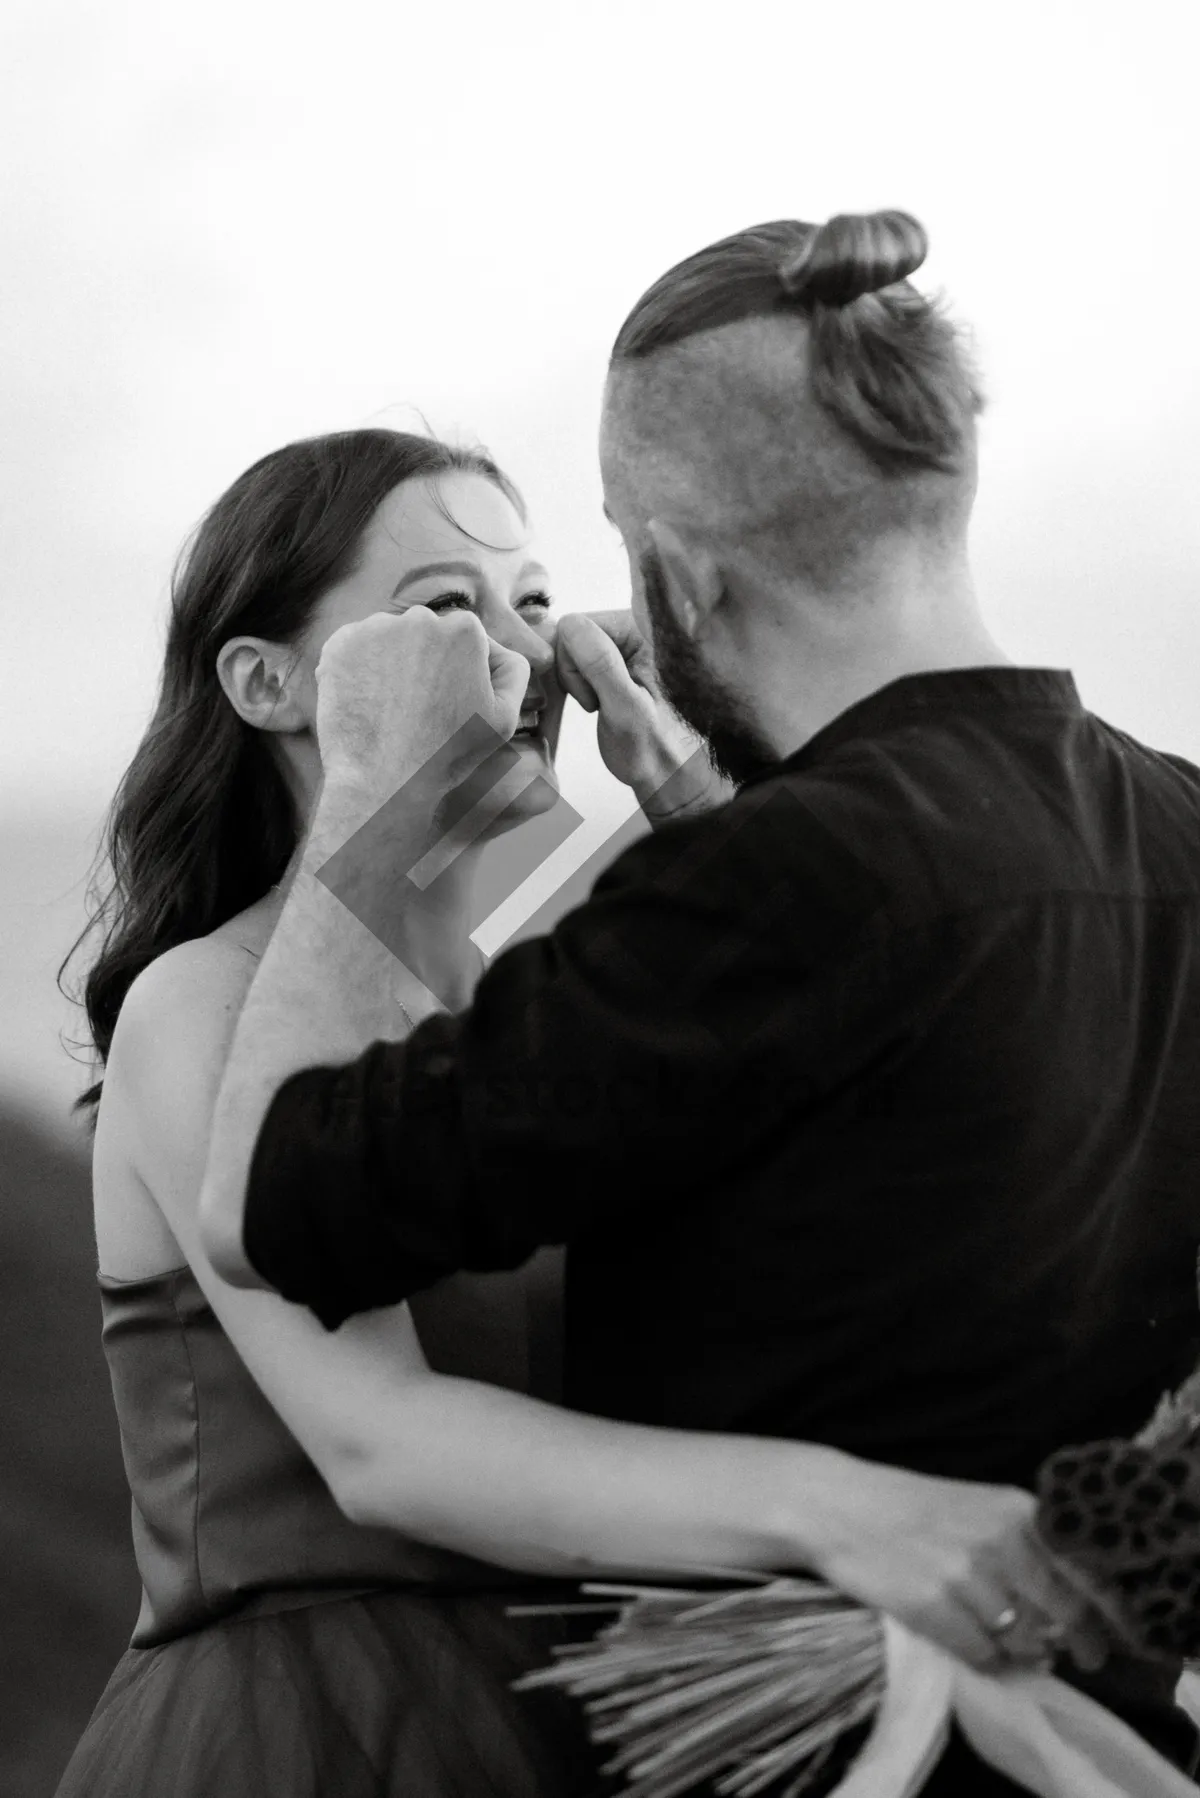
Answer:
(507, 1478)
(469, 1466)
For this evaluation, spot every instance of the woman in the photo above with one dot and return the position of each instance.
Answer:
(283, 1647)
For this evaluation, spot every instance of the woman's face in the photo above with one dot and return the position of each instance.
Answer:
(455, 543)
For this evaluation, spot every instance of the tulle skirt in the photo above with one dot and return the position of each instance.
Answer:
(390, 1695)
(394, 1694)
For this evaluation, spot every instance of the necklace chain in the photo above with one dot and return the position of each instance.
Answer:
(406, 1014)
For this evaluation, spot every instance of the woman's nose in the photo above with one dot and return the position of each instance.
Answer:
(512, 631)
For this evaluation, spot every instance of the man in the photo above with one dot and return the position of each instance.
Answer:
(865, 1102)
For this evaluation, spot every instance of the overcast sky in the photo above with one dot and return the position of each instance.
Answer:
(228, 225)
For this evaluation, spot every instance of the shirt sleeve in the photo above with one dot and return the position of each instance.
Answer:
(706, 992)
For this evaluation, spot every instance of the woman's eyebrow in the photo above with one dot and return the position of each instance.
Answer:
(418, 574)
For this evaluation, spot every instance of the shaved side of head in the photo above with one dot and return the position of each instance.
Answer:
(722, 436)
(765, 398)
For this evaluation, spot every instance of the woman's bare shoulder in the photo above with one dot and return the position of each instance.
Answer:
(189, 994)
(174, 1026)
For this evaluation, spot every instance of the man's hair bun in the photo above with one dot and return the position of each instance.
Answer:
(892, 372)
(854, 254)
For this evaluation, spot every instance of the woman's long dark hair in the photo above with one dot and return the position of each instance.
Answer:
(203, 823)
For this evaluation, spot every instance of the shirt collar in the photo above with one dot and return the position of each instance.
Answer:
(916, 696)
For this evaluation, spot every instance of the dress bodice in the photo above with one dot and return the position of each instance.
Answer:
(227, 1507)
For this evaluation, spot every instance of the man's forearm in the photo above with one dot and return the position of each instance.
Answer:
(325, 989)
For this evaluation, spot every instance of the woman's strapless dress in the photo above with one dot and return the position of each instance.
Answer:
(282, 1651)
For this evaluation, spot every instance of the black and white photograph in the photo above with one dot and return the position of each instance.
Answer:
(599, 900)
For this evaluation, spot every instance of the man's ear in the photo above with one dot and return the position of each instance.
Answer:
(692, 576)
(263, 683)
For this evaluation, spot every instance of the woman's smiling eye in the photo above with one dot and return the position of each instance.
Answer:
(449, 602)
(456, 600)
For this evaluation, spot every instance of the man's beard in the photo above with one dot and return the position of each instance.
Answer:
(701, 700)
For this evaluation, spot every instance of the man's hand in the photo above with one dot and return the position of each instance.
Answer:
(394, 694)
(607, 666)
(960, 1562)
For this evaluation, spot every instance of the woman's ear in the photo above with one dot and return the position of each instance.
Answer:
(691, 575)
(264, 684)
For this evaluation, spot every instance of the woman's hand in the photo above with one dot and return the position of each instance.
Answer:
(960, 1562)
(606, 665)
(414, 694)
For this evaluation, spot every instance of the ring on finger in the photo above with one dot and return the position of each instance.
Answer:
(1019, 1636)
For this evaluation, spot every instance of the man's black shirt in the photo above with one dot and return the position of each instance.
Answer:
(868, 1107)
